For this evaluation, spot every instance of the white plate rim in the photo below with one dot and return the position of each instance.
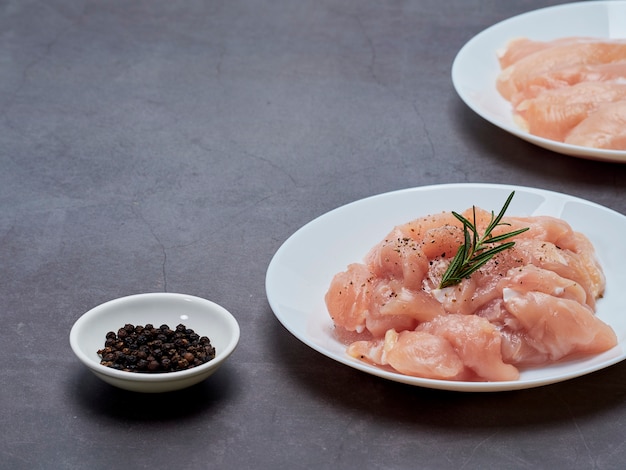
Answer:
(473, 95)
(288, 253)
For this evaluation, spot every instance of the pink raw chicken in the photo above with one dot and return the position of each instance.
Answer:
(554, 113)
(570, 90)
(605, 128)
(529, 305)
(521, 76)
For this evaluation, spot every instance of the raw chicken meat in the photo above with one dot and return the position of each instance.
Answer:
(530, 305)
(605, 128)
(569, 90)
(554, 113)
(521, 75)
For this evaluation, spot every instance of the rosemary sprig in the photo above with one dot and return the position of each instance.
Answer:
(477, 250)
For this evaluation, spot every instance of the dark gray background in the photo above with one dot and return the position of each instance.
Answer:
(173, 146)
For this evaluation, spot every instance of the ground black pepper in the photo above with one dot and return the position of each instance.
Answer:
(149, 349)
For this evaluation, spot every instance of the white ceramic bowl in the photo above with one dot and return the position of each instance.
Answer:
(206, 318)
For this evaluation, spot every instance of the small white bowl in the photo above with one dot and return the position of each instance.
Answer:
(206, 318)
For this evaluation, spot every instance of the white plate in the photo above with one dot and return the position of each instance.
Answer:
(476, 67)
(301, 270)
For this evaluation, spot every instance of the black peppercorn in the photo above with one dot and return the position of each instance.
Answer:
(148, 349)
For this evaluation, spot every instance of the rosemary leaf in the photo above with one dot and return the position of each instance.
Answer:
(477, 250)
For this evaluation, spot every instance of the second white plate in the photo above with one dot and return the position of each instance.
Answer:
(476, 67)
(301, 270)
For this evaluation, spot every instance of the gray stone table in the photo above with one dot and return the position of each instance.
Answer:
(174, 146)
